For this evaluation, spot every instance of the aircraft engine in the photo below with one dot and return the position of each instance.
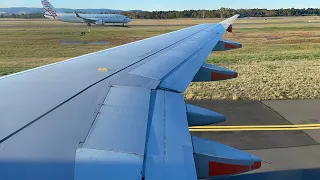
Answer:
(100, 22)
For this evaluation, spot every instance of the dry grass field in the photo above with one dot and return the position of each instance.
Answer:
(280, 58)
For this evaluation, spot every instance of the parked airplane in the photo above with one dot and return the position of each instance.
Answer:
(99, 19)
(119, 114)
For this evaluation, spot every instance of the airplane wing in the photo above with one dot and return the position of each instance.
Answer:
(86, 20)
(118, 114)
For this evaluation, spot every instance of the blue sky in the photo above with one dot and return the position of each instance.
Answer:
(165, 4)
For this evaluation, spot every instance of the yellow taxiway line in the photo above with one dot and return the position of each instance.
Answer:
(252, 126)
(294, 127)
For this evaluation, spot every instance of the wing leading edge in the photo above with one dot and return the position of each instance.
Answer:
(128, 122)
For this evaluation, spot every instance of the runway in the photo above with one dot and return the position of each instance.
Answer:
(284, 151)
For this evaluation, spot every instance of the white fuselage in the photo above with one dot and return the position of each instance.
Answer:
(104, 18)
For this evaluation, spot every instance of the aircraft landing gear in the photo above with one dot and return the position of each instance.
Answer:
(123, 24)
(89, 24)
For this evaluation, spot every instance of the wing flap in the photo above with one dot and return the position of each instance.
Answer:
(155, 156)
(115, 145)
(169, 149)
(121, 124)
(178, 139)
(100, 164)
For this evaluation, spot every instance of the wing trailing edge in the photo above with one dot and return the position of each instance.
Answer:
(169, 150)
(114, 147)
(102, 164)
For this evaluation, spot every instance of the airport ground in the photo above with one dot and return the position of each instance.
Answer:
(294, 154)
(279, 59)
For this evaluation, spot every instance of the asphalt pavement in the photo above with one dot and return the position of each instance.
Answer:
(284, 153)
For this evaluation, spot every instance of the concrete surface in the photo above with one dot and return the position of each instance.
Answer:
(299, 112)
(276, 159)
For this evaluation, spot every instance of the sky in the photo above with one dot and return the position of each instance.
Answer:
(151, 5)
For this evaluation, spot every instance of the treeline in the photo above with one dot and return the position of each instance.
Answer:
(220, 13)
(23, 16)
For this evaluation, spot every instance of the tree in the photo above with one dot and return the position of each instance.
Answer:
(220, 13)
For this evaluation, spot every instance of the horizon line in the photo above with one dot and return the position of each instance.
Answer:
(169, 10)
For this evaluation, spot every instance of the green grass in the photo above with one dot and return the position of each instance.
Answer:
(279, 59)
(279, 29)
(44, 43)
(267, 54)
